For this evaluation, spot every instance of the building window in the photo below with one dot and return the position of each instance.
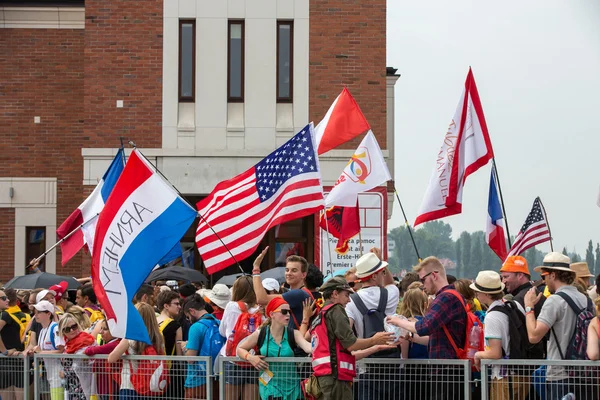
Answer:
(235, 62)
(291, 238)
(35, 245)
(187, 60)
(285, 51)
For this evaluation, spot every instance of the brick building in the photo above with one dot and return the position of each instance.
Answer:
(204, 88)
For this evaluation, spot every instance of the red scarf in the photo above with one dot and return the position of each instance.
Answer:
(80, 341)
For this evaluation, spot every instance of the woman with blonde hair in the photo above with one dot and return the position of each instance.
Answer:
(238, 380)
(81, 316)
(132, 347)
(463, 286)
(77, 372)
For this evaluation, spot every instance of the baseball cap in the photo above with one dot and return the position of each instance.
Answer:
(515, 264)
(336, 283)
(270, 284)
(44, 305)
(40, 296)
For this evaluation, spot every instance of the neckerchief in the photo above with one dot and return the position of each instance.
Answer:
(80, 341)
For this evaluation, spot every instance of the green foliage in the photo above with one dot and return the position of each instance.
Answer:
(597, 264)
(589, 255)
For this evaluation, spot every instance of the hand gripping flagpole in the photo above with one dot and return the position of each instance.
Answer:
(55, 245)
(547, 223)
(501, 201)
(406, 223)
(184, 199)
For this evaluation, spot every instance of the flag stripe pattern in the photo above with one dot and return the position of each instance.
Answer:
(141, 222)
(284, 186)
(87, 212)
(495, 221)
(534, 231)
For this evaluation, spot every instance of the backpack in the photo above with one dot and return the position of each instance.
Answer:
(152, 376)
(241, 330)
(576, 350)
(95, 315)
(212, 341)
(162, 326)
(262, 335)
(373, 321)
(461, 353)
(21, 319)
(519, 348)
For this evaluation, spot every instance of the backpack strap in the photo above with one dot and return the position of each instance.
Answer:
(242, 306)
(360, 305)
(292, 339)
(448, 335)
(570, 302)
(262, 334)
(362, 308)
(562, 357)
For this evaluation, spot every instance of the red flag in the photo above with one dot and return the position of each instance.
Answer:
(343, 121)
(343, 224)
(466, 148)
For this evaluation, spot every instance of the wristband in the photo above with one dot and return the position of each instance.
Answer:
(529, 312)
(246, 356)
(304, 323)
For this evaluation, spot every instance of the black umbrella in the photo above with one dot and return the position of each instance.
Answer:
(43, 280)
(176, 273)
(229, 280)
(277, 273)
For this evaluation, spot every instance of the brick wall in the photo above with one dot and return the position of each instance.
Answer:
(123, 61)
(348, 47)
(42, 75)
(7, 243)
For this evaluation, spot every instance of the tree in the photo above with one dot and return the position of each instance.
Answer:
(459, 258)
(465, 241)
(575, 257)
(565, 252)
(476, 254)
(597, 264)
(589, 255)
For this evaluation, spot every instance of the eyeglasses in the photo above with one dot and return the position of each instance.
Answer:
(3, 298)
(71, 328)
(423, 279)
(284, 311)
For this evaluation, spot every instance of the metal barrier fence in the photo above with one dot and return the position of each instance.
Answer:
(77, 376)
(60, 376)
(377, 379)
(540, 380)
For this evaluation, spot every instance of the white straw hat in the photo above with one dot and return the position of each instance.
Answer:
(488, 282)
(555, 261)
(369, 264)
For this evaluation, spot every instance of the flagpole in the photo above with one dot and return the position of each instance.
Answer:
(222, 242)
(123, 148)
(360, 242)
(328, 241)
(407, 224)
(547, 223)
(501, 201)
(55, 245)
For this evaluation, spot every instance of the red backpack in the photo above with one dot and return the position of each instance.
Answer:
(152, 376)
(461, 353)
(242, 329)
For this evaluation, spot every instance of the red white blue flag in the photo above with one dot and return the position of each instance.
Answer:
(86, 213)
(142, 220)
(284, 186)
(494, 235)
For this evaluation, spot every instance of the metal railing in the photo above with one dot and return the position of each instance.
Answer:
(50, 376)
(540, 379)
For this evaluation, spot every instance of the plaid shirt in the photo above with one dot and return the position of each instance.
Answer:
(447, 310)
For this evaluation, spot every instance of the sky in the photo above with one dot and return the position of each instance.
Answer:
(537, 69)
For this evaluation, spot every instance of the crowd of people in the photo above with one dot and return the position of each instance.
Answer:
(365, 313)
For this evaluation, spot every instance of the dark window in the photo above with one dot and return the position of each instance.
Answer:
(235, 62)
(293, 237)
(35, 246)
(187, 60)
(285, 51)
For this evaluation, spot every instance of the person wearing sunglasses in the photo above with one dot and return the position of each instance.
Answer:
(77, 372)
(274, 339)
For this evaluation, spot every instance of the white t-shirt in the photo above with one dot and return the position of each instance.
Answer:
(496, 326)
(230, 316)
(370, 296)
(557, 314)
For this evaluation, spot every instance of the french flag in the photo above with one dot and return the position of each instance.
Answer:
(344, 121)
(142, 220)
(83, 219)
(495, 221)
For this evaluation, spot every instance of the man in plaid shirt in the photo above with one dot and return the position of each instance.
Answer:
(445, 310)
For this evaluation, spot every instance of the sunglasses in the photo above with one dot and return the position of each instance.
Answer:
(545, 274)
(178, 304)
(3, 298)
(71, 328)
(423, 279)
(285, 311)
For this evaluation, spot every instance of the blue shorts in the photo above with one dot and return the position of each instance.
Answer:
(236, 375)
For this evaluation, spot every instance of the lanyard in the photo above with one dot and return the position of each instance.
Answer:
(281, 345)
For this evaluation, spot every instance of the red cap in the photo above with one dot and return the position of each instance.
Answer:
(59, 289)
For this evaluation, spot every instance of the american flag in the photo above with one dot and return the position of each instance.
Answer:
(534, 231)
(286, 185)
